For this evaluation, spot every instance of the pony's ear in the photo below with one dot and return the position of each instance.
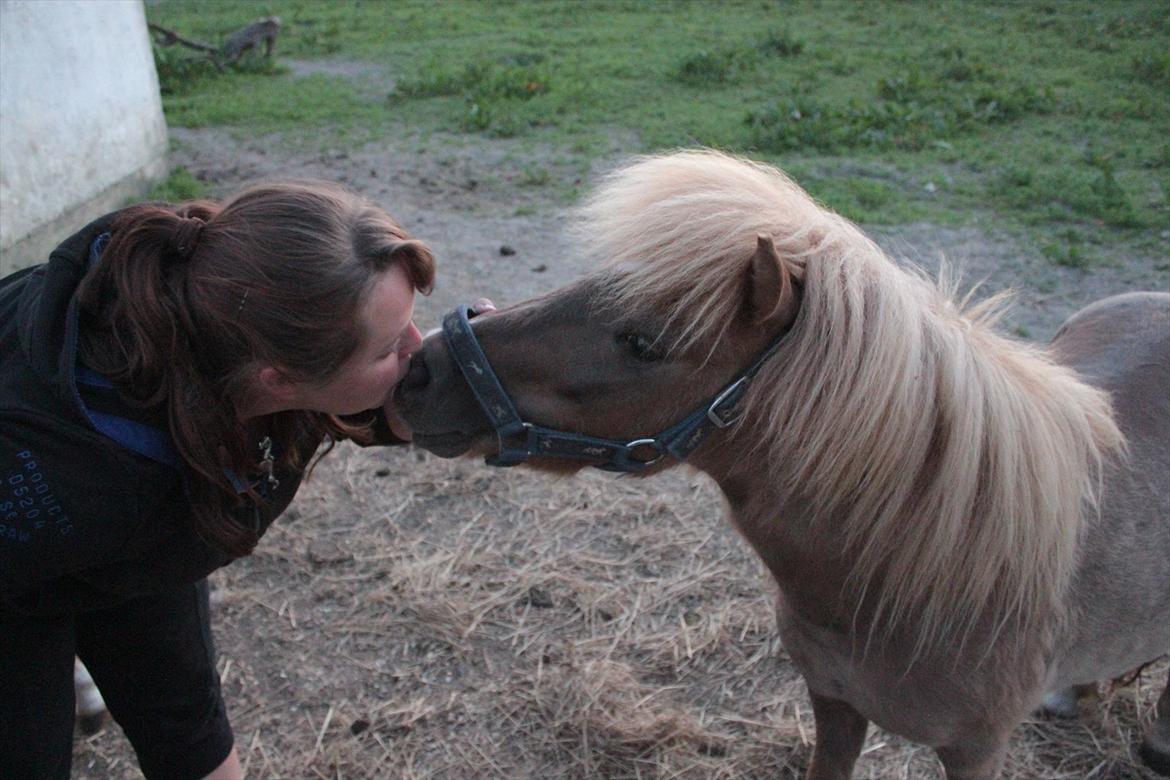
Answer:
(772, 296)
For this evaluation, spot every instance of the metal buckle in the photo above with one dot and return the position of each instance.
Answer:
(509, 455)
(713, 415)
(642, 443)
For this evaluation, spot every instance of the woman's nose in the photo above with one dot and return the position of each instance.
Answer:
(413, 340)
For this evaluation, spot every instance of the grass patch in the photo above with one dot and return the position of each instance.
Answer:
(1088, 192)
(1068, 251)
(1047, 115)
(500, 98)
(733, 64)
(949, 95)
(179, 185)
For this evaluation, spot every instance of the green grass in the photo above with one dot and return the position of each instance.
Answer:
(1034, 115)
(179, 185)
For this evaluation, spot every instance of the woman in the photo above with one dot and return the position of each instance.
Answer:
(165, 380)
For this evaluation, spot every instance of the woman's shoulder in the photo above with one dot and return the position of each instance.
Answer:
(70, 498)
(75, 248)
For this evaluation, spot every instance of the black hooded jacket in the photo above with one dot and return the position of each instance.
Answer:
(85, 521)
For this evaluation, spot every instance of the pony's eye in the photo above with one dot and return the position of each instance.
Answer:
(640, 347)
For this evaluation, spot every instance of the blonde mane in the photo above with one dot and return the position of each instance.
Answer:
(959, 465)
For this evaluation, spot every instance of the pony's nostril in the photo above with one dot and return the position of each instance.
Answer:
(417, 376)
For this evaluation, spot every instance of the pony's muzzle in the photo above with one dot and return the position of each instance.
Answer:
(418, 376)
(436, 403)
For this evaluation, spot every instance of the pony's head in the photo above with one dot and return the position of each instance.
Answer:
(952, 464)
(699, 266)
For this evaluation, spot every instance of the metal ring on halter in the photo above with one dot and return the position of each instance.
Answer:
(644, 443)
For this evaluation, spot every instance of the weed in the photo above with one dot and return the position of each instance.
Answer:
(870, 195)
(712, 67)
(178, 186)
(492, 91)
(781, 44)
(1069, 253)
(1068, 194)
(909, 110)
(533, 176)
(1114, 206)
(483, 80)
(707, 67)
(1153, 68)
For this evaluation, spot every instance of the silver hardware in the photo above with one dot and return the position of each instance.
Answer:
(268, 463)
(711, 414)
(643, 442)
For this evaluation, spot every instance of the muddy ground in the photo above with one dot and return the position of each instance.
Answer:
(418, 618)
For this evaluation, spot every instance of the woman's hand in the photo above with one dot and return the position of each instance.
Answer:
(481, 306)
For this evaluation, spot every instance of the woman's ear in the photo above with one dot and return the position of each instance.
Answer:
(275, 386)
(270, 390)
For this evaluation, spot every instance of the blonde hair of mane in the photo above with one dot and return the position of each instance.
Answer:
(957, 465)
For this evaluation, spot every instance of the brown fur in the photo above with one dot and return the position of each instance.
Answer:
(953, 518)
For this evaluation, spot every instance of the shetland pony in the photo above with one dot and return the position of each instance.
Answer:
(959, 523)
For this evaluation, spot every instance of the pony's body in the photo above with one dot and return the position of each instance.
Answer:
(1122, 345)
(1115, 616)
(963, 696)
(954, 519)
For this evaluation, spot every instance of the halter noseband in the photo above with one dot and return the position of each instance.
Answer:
(520, 440)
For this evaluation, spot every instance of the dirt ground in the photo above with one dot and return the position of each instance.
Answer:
(418, 618)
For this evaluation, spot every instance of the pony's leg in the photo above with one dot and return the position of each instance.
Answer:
(979, 757)
(1155, 750)
(840, 734)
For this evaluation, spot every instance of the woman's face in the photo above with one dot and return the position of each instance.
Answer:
(367, 378)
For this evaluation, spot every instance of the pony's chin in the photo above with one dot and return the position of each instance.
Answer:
(445, 445)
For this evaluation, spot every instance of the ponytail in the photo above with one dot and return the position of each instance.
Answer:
(134, 292)
(136, 330)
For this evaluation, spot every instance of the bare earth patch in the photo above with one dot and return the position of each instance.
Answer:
(411, 617)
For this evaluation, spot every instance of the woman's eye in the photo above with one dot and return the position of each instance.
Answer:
(641, 347)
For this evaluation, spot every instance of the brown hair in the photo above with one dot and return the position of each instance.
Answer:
(188, 299)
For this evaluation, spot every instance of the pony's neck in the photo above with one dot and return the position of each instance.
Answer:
(903, 450)
(807, 560)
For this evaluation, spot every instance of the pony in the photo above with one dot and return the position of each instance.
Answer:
(959, 524)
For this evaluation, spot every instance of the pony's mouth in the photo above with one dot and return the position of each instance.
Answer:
(446, 445)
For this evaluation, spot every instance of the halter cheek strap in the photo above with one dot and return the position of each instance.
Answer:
(520, 440)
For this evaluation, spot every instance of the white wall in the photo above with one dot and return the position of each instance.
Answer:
(81, 123)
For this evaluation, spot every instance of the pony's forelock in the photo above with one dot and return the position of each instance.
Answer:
(675, 232)
(956, 466)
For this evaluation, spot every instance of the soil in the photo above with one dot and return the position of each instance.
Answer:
(414, 617)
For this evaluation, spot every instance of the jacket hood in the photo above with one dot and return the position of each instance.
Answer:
(46, 311)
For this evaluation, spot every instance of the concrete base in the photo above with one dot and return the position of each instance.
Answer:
(35, 247)
(81, 123)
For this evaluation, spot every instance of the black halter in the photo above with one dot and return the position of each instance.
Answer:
(520, 440)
